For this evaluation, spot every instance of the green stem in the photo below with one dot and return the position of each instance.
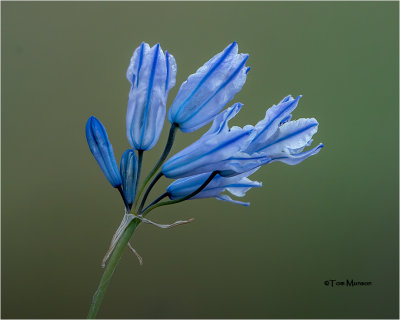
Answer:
(164, 195)
(166, 203)
(140, 160)
(167, 149)
(110, 268)
(146, 194)
(122, 242)
(121, 192)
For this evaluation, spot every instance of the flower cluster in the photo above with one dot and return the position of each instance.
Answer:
(220, 161)
(223, 158)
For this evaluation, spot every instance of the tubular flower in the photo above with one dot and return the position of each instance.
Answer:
(220, 149)
(281, 139)
(102, 150)
(151, 73)
(205, 93)
(129, 168)
(237, 185)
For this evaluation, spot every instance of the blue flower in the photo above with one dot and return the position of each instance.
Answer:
(129, 168)
(220, 149)
(281, 139)
(237, 185)
(102, 151)
(151, 74)
(204, 94)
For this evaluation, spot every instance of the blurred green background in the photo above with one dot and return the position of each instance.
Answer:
(334, 216)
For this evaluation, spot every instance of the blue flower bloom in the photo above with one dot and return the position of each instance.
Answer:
(151, 74)
(220, 149)
(102, 151)
(205, 93)
(281, 139)
(237, 185)
(129, 168)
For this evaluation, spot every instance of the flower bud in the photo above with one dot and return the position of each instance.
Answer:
(205, 93)
(102, 151)
(128, 168)
(151, 73)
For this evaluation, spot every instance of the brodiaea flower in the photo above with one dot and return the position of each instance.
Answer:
(232, 151)
(151, 74)
(206, 92)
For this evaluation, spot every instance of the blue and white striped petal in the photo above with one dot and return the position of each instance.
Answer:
(205, 93)
(291, 137)
(296, 158)
(220, 123)
(225, 197)
(102, 150)
(152, 74)
(275, 116)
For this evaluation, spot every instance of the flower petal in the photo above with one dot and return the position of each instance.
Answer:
(274, 117)
(291, 135)
(225, 197)
(243, 185)
(293, 159)
(220, 123)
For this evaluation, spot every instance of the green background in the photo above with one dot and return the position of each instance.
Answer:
(334, 216)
